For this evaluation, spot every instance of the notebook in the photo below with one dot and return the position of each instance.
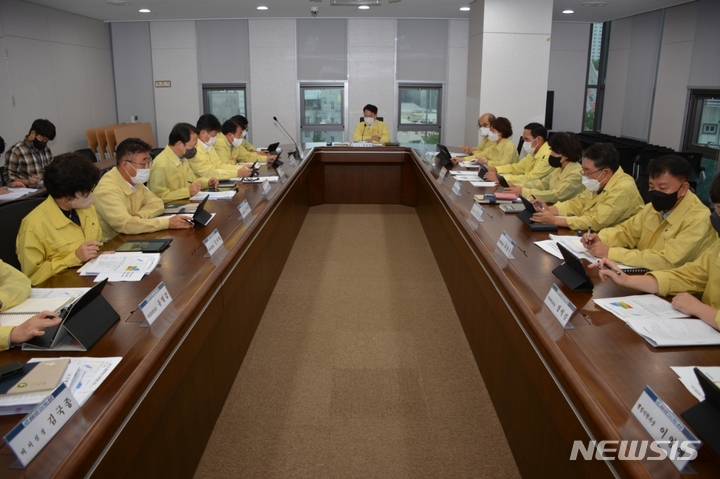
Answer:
(30, 307)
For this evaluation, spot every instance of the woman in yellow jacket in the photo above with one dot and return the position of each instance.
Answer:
(64, 230)
(501, 150)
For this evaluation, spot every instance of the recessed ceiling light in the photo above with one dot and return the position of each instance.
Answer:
(568, 12)
(262, 7)
(364, 7)
(464, 9)
(144, 10)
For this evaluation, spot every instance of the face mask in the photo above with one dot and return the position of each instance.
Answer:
(493, 136)
(212, 141)
(369, 120)
(141, 175)
(190, 153)
(715, 221)
(82, 203)
(591, 185)
(484, 131)
(527, 146)
(237, 141)
(555, 161)
(663, 201)
(39, 145)
(244, 133)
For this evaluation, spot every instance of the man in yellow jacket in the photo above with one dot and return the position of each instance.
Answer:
(171, 178)
(206, 163)
(610, 195)
(484, 129)
(63, 231)
(123, 203)
(533, 166)
(671, 230)
(372, 129)
(14, 289)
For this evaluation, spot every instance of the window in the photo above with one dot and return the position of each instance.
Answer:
(597, 63)
(420, 119)
(224, 101)
(322, 113)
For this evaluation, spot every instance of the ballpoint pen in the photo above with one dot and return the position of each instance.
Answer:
(601, 266)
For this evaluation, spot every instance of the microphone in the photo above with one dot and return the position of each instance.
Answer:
(297, 148)
(362, 138)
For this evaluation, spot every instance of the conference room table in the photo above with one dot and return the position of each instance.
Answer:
(550, 386)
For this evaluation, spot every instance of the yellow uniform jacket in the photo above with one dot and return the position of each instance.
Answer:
(531, 168)
(502, 153)
(170, 177)
(14, 289)
(561, 185)
(363, 132)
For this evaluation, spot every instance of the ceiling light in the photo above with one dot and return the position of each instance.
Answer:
(568, 12)
(364, 7)
(464, 9)
(144, 10)
(262, 7)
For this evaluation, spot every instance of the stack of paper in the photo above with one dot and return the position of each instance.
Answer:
(214, 195)
(687, 376)
(640, 306)
(120, 266)
(16, 193)
(675, 332)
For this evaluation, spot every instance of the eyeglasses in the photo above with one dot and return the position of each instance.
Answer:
(585, 173)
(143, 166)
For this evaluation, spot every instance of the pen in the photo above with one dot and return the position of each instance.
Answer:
(611, 269)
(533, 197)
(587, 241)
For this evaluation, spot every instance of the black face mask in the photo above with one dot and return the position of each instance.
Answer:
(663, 201)
(39, 145)
(190, 153)
(715, 221)
(555, 161)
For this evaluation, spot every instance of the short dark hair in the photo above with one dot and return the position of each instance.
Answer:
(604, 155)
(130, 146)
(241, 120)
(181, 132)
(676, 165)
(2, 145)
(230, 126)
(208, 122)
(715, 189)
(536, 129)
(44, 128)
(503, 126)
(567, 144)
(69, 174)
(371, 108)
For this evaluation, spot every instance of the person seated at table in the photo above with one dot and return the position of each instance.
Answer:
(14, 184)
(500, 150)
(699, 276)
(171, 178)
(610, 195)
(63, 231)
(535, 163)
(565, 180)
(206, 163)
(239, 153)
(26, 160)
(123, 203)
(484, 130)
(14, 289)
(671, 230)
(372, 129)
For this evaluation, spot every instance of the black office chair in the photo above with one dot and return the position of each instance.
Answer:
(11, 215)
(362, 118)
(2, 176)
(155, 152)
(87, 153)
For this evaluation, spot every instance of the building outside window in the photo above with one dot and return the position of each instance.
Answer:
(597, 62)
(224, 101)
(322, 113)
(420, 119)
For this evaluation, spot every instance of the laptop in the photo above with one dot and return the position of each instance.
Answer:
(202, 217)
(527, 213)
(572, 272)
(445, 157)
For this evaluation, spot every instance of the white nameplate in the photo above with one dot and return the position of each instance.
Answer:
(443, 173)
(666, 429)
(477, 211)
(155, 304)
(36, 430)
(292, 160)
(560, 306)
(244, 209)
(506, 245)
(456, 188)
(280, 172)
(213, 242)
(266, 187)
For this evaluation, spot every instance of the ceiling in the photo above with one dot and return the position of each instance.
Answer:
(231, 9)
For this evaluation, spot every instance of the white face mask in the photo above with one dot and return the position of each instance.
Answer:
(80, 203)
(237, 141)
(493, 136)
(484, 131)
(212, 140)
(527, 146)
(141, 175)
(244, 133)
(369, 120)
(591, 184)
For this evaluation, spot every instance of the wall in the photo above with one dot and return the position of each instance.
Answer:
(566, 77)
(59, 67)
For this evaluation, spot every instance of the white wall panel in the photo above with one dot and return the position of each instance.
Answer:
(512, 16)
(705, 70)
(616, 77)
(566, 77)
(101, 88)
(26, 20)
(223, 51)
(71, 87)
(7, 123)
(65, 27)
(454, 111)
(96, 34)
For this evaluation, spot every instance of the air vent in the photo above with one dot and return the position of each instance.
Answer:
(354, 3)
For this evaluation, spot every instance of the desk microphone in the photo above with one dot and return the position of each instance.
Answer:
(297, 148)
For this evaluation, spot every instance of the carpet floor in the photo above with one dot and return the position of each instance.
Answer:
(359, 367)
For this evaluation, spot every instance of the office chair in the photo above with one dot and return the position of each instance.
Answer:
(2, 176)
(155, 152)
(11, 215)
(87, 153)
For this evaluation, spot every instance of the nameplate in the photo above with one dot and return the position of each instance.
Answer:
(280, 172)
(292, 160)
(443, 173)
(36, 430)
(244, 209)
(155, 303)
(560, 306)
(266, 187)
(213, 242)
(457, 187)
(477, 211)
(667, 431)
(506, 245)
